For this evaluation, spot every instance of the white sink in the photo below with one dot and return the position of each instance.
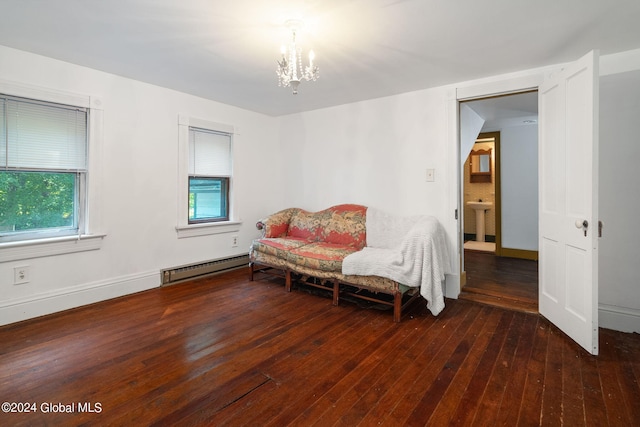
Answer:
(480, 208)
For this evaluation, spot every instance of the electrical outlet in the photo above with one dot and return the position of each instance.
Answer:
(234, 241)
(21, 275)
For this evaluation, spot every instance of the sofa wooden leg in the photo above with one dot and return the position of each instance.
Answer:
(397, 307)
(251, 272)
(336, 291)
(287, 281)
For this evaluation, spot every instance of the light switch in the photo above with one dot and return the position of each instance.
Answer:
(431, 174)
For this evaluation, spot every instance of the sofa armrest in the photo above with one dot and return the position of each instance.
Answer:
(260, 226)
(277, 224)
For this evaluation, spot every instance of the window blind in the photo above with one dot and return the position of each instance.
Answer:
(3, 133)
(209, 153)
(43, 136)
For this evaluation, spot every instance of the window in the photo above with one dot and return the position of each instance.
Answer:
(205, 178)
(43, 169)
(208, 199)
(209, 175)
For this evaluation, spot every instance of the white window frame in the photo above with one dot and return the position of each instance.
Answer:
(183, 228)
(89, 238)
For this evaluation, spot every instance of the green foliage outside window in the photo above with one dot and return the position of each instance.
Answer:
(36, 200)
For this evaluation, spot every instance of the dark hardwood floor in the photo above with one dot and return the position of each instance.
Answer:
(500, 281)
(225, 351)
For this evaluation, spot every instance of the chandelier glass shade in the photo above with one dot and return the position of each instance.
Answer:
(290, 69)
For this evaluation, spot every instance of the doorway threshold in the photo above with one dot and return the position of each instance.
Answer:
(472, 245)
(502, 301)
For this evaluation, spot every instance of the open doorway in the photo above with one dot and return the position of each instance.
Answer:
(507, 197)
(481, 195)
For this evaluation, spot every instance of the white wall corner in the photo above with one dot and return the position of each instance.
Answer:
(619, 318)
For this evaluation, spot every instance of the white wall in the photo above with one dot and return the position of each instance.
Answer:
(519, 187)
(470, 127)
(138, 188)
(374, 153)
(619, 204)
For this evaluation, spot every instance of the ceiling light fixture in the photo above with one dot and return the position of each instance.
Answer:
(290, 70)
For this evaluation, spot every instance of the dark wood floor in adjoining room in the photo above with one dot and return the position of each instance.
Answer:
(225, 351)
(501, 281)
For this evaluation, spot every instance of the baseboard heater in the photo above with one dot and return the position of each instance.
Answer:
(191, 271)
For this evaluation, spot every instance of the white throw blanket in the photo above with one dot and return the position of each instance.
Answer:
(412, 251)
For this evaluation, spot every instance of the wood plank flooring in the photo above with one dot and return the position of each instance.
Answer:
(500, 281)
(225, 351)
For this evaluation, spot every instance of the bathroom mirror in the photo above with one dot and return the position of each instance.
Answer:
(480, 165)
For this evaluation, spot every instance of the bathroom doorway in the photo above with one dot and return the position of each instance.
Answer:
(481, 195)
(503, 269)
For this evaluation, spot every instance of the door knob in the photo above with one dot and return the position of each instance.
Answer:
(582, 224)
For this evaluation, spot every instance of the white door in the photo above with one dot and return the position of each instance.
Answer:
(568, 201)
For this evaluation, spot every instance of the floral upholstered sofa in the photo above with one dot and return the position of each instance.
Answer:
(312, 246)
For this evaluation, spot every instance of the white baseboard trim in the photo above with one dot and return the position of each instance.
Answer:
(20, 309)
(618, 318)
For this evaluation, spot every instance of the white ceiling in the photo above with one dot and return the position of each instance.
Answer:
(227, 50)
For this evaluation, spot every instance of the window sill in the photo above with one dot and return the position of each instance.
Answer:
(27, 249)
(194, 230)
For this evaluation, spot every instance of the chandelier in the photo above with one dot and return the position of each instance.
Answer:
(290, 70)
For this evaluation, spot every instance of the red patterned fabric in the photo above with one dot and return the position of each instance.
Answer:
(306, 225)
(320, 256)
(279, 247)
(277, 225)
(314, 240)
(345, 225)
